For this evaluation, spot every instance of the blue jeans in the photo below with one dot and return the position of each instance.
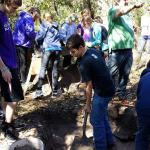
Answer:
(99, 120)
(54, 58)
(143, 133)
(144, 43)
(119, 64)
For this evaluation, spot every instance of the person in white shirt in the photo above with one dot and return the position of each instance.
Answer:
(144, 40)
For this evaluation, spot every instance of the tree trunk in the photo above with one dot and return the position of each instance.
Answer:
(88, 4)
(55, 7)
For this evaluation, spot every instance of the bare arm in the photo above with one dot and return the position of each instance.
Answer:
(89, 88)
(126, 9)
(5, 71)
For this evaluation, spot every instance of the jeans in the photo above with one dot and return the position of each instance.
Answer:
(144, 43)
(99, 120)
(54, 58)
(143, 133)
(24, 60)
(119, 64)
(143, 51)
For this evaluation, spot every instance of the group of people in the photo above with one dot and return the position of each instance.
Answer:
(87, 40)
(51, 39)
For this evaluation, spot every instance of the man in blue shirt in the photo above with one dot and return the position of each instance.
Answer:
(96, 76)
(11, 90)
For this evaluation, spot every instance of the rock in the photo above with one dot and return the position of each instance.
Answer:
(6, 143)
(24, 144)
(69, 140)
(124, 120)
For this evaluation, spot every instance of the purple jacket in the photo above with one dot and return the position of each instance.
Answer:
(7, 48)
(24, 34)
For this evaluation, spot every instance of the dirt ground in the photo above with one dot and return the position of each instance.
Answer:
(58, 121)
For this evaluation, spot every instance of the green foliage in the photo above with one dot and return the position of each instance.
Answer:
(61, 9)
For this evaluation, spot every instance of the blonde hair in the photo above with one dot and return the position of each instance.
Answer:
(47, 16)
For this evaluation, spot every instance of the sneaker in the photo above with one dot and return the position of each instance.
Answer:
(56, 93)
(1, 113)
(2, 116)
(9, 131)
(38, 94)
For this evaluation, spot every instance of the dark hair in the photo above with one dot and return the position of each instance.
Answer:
(148, 64)
(17, 2)
(98, 18)
(2, 1)
(75, 41)
(34, 9)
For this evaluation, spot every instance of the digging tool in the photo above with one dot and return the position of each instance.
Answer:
(83, 140)
(84, 137)
(84, 124)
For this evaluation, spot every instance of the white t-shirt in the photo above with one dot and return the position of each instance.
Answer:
(145, 25)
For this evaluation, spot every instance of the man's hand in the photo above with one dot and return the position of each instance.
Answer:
(6, 74)
(88, 94)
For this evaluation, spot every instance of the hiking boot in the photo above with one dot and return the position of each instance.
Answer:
(9, 131)
(38, 94)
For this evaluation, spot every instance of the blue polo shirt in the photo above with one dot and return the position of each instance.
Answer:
(7, 48)
(93, 68)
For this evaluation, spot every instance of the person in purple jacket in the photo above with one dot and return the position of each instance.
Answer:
(23, 37)
(11, 90)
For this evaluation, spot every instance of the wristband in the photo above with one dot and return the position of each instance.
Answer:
(4, 69)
